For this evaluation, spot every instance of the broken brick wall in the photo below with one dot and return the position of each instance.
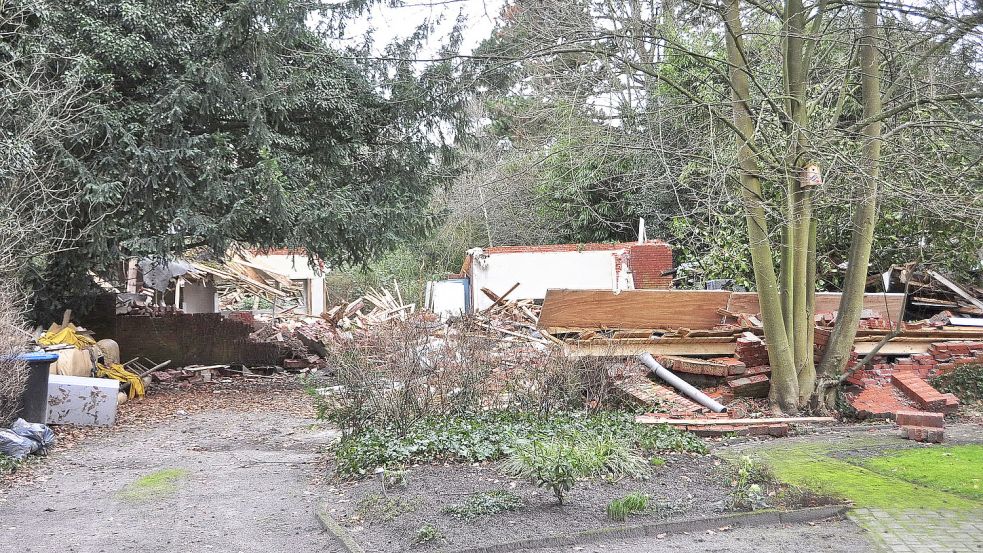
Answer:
(648, 262)
(191, 339)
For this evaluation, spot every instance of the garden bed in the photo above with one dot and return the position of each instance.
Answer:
(687, 486)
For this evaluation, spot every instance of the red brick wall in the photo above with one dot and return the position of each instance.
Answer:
(648, 262)
(190, 339)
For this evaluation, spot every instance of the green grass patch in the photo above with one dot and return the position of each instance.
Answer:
(810, 467)
(155, 484)
(955, 469)
(633, 503)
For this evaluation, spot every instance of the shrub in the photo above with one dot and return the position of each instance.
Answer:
(426, 534)
(633, 503)
(13, 374)
(966, 382)
(484, 503)
(586, 455)
(395, 374)
(749, 483)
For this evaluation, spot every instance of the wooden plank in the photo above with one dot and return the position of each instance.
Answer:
(892, 348)
(888, 305)
(956, 288)
(649, 419)
(619, 349)
(632, 309)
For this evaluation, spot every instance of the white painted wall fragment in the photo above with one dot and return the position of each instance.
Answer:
(536, 271)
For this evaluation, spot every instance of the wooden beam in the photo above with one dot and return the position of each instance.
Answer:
(956, 288)
(649, 419)
(621, 349)
(893, 348)
(632, 309)
(888, 306)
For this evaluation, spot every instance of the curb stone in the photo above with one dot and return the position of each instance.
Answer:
(746, 520)
(335, 529)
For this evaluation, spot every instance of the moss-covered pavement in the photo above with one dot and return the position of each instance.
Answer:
(910, 497)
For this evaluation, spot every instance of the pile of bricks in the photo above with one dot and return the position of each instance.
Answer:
(636, 387)
(923, 394)
(892, 386)
(718, 366)
(920, 426)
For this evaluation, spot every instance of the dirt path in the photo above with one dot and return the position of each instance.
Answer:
(224, 479)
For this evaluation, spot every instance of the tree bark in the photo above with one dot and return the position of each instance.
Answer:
(864, 216)
(784, 381)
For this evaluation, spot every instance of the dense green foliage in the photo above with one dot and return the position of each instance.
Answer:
(966, 382)
(494, 436)
(213, 122)
(484, 503)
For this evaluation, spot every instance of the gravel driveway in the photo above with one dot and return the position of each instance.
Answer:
(222, 480)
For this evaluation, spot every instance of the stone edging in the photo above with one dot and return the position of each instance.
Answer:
(764, 518)
(336, 529)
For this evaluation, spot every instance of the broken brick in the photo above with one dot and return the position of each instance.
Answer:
(920, 418)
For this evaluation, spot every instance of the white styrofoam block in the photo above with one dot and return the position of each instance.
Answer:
(81, 400)
(447, 297)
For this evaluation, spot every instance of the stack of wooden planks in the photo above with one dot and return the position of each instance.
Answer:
(385, 306)
(705, 323)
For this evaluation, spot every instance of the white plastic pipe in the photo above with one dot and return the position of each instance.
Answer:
(680, 384)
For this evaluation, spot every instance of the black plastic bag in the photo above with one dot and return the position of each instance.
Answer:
(16, 446)
(40, 433)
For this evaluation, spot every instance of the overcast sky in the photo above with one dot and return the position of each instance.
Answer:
(389, 23)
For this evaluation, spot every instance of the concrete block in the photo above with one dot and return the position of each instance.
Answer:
(81, 400)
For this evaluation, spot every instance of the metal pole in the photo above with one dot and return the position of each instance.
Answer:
(680, 384)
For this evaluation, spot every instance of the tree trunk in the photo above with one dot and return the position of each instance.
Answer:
(864, 216)
(800, 198)
(784, 381)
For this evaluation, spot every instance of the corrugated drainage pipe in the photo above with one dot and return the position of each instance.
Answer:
(680, 384)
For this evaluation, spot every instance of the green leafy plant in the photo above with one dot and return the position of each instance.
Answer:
(550, 467)
(966, 382)
(8, 464)
(484, 503)
(393, 478)
(322, 405)
(380, 508)
(426, 534)
(748, 485)
(633, 503)
(608, 443)
(660, 438)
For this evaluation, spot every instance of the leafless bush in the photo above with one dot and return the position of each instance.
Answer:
(13, 374)
(404, 371)
(39, 111)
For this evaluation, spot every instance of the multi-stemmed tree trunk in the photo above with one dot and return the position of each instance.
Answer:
(789, 121)
(864, 215)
